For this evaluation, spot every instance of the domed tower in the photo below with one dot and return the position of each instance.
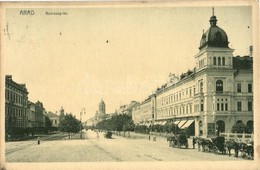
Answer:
(214, 50)
(102, 107)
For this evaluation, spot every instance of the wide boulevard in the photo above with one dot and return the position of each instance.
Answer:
(96, 148)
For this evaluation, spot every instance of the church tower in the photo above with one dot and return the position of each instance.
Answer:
(102, 107)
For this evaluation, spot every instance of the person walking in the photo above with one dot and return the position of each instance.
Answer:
(38, 139)
(193, 142)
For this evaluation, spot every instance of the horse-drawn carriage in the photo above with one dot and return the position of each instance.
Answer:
(220, 145)
(212, 144)
(246, 148)
(178, 141)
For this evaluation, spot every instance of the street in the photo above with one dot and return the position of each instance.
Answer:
(100, 149)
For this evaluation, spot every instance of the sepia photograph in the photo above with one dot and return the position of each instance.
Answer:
(106, 85)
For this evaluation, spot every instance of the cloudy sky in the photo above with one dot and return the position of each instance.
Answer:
(118, 54)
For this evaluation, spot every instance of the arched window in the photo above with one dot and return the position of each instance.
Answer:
(220, 126)
(214, 61)
(219, 61)
(250, 126)
(223, 61)
(219, 86)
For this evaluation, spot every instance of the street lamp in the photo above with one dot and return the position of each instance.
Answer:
(82, 112)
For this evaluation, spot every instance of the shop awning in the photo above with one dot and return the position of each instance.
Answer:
(176, 122)
(156, 123)
(181, 123)
(163, 122)
(187, 124)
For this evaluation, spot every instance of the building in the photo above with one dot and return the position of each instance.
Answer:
(127, 108)
(210, 98)
(100, 115)
(16, 99)
(54, 119)
(31, 125)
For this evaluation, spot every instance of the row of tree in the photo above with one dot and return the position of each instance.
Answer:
(118, 123)
(123, 123)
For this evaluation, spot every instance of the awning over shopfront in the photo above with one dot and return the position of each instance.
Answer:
(163, 122)
(187, 124)
(156, 123)
(176, 122)
(181, 123)
(147, 124)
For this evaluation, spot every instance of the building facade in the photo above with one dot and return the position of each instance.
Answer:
(16, 98)
(54, 119)
(212, 97)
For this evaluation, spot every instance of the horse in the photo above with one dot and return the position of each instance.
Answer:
(232, 144)
(219, 143)
(247, 149)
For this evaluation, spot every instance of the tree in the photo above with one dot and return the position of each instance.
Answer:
(70, 124)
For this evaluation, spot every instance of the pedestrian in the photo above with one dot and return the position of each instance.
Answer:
(193, 142)
(38, 139)
(199, 144)
(236, 147)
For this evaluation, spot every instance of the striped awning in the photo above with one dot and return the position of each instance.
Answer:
(182, 123)
(163, 122)
(156, 123)
(187, 124)
(176, 122)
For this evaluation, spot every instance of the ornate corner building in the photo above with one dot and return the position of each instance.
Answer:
(209, 99)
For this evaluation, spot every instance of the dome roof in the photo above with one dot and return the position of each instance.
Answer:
(214, 36)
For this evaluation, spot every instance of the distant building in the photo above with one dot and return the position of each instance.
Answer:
(31, 118)
(127, 108)
(16, 99)
(54, 118)
(62, 114)
(100, 115)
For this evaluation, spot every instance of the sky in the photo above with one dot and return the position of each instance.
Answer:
(114, 54)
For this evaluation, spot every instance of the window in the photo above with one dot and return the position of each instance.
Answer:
(249, 88)
(201, 107)
(239, 106)
(217, 106)
(201, 87)
(249, 106)
(219, 61)
(239, 87)
(222, 106)
(226, 106)
(219, 86)
(223, 61)
(190, 92)
(214, 61)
